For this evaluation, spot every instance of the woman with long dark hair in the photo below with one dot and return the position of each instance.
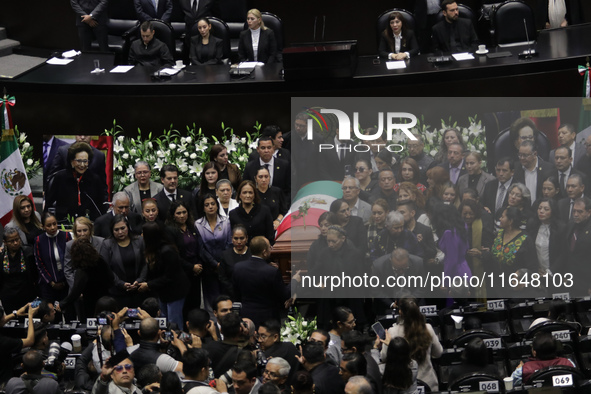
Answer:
(229, 171)
(215, 235)
(181, 227)
(18, 275)
(209, 178)
(400, 371)
(124, 253)
(547, 233)
(342, 321)
(92, 277)
(450, 136)
(25, 220)
(421, 338)
(409, 172)
(205, 48)
(165, 276)
(324, 222)
(364, 173)
(397, 41)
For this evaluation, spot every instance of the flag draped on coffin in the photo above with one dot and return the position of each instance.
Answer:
(13, 177)
(317, 196)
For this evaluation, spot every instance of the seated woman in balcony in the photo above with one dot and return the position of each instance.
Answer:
(205, 48)
(397, 41)
(257, 43)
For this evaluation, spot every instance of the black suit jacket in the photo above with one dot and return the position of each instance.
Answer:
(281, 174)
(468, 39)
(97, 166)
(210, 54)
(489, 196)
(205, 8)
(102, 225)
(577, 258)
(562, 193)
(408, 44)
(382, 268)
(335, 167)
(306, 160)
(111, 254)
(164, 202)
(544, 170)
(267, 52)
(145, 10)
(98, 9)
(260, 288)
(55, 145)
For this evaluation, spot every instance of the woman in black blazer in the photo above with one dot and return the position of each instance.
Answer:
(265, 50)
(397, 28)
(547, 231)
(205, 48)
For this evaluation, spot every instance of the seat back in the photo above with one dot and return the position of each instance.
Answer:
(219, 29)
(465, 12)
(472, 381)
(545, 375)
(503, 145)
(382, 21)
(274, 23)
(508, 21)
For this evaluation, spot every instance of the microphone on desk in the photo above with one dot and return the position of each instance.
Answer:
(529, 52)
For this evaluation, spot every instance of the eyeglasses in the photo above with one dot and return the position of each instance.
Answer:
(262, 337)
(527, 138)
(119, 368)
(360, 169)
(524, 155)
(80, 161)
(271, 374)
(142, 172)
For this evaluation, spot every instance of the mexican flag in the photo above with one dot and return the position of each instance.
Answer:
(13, 177)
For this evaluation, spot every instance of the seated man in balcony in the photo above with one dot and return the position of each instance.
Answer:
(149, 51)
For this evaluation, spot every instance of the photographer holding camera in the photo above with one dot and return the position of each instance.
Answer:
(117, 376)
(32, 380)
(9, 346)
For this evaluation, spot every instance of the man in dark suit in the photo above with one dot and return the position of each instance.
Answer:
(395, 264)
(153, 9)
(196, 9)
(325, 376)
(120, 204)
(276, 136)
(567, 136)
(50, 148)
(169, 176)
(278, 168)
(305, 152)
(424, 233)
(454, 164)
(259, 285)
(97, 166)
(584, 164)
(578, 247)
(91, 21)
(563, 162)
(531, 170)
(575, 187)
(495, 193)
(336, 161)
(148, 50)
(387, 180)
(416, 151)
(454, 34)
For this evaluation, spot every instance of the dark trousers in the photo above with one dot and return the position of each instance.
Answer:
(87, 34)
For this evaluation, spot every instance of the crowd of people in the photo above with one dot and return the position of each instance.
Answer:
(159, 250)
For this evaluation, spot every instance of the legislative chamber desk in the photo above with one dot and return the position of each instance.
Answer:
(135, 100)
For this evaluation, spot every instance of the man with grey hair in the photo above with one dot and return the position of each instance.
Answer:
(575, 189)
(358, 385)
(398, 263)
(395, 236)
(531, 170)
(119, 206)
(142, 188)
(351, 189)
(277, 371)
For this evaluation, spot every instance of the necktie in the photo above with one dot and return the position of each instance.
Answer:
(56, 253)
(562, 189)
(172, 198)
(570, 211)
(45, 153)
(455, 171)
(500, 198)
(195, 5)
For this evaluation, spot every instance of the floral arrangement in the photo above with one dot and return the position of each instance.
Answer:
(296, 329)
(473, 136)
(32, 166)
(189, 151)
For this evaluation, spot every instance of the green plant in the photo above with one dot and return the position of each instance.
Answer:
(32, 166)
(297, 329)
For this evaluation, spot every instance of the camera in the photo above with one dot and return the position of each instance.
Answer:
(105, 318)
(168, 336)
(56, 356)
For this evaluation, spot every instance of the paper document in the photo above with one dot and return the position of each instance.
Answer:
(250, 64)
(396, 64)
(121, 69)
(169, 71)
(71, 53)
(58, 61)
(463, 56)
